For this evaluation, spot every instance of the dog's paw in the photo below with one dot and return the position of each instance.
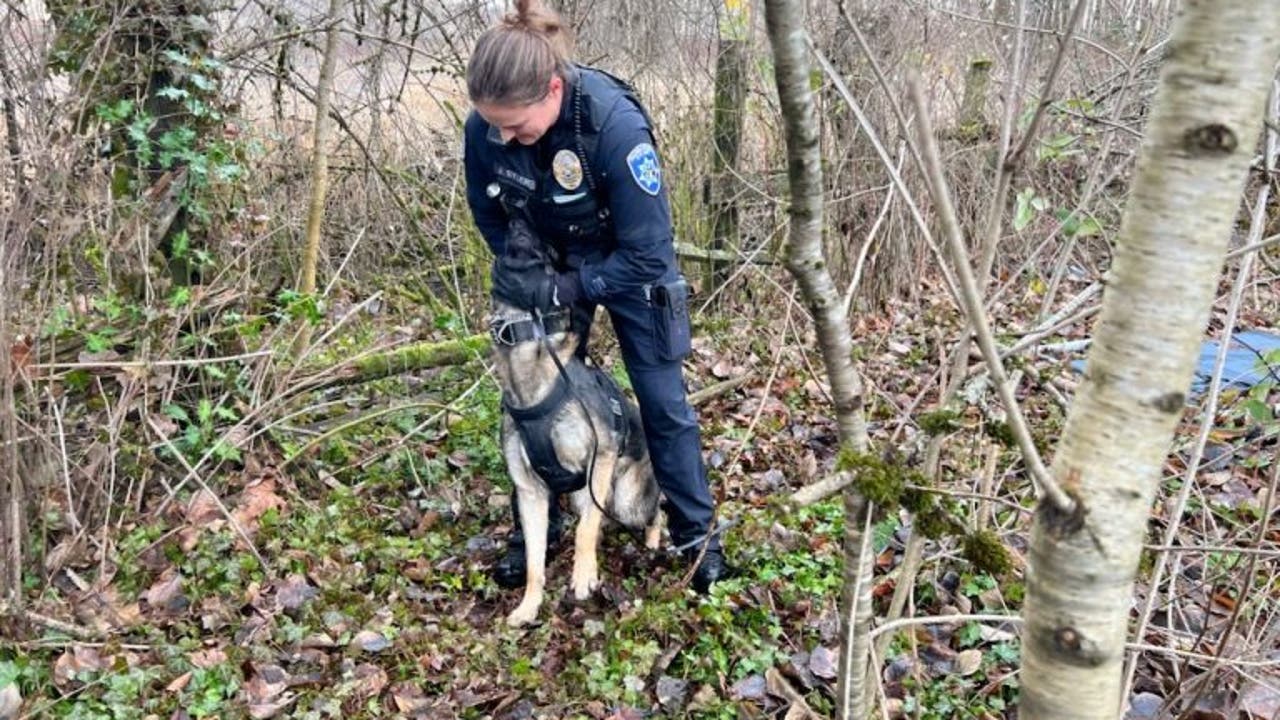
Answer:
(525, 614)
(584, 584)
(653, 536)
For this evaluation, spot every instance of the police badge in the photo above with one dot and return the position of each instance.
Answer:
(567, 169)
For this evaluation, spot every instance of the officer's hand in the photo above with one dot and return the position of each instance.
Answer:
(531, 286)
(525, 285)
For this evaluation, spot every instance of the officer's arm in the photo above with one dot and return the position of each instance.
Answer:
(486, 211)
(637, 195)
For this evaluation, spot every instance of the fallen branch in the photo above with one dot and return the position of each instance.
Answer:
(419, 356)
(71, 629)
(824, 488)
(720, 388)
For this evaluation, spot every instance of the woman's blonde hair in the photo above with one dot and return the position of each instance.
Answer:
(514, 61)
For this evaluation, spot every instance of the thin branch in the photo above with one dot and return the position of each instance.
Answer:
(66, 468)
(972, 300)
(1009, 164)
(1254, 247)
(1033, 128)
(235, 524)
(121, 364)
(888, 163)
(943, 619)
(76, 631)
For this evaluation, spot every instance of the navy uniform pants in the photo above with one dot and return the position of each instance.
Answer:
(670, 426)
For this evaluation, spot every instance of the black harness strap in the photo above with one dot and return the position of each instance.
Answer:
(533, 423)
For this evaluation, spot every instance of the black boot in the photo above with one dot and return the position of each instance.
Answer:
(509, 571)
(711, 570)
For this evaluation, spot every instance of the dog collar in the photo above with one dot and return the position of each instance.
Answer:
(513, 332)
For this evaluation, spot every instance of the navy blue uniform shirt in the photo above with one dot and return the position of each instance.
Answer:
(613, 226)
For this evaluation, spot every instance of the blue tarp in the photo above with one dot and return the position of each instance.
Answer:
(1245, 366)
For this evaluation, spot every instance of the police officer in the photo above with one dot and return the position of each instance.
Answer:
(570, 150)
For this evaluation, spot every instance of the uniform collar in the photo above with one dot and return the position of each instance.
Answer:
(571, 81)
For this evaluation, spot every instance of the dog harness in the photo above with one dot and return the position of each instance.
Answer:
(533, 423)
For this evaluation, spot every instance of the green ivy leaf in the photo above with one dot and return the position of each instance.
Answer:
(1024, 210)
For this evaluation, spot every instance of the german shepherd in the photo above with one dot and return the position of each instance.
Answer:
(594, 432)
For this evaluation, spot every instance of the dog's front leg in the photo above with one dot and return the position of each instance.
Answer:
(535, 506)
(586, 568)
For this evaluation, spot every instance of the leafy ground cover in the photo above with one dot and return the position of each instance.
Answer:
(361, 587)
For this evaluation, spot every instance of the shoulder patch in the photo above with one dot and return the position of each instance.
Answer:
(643, 162)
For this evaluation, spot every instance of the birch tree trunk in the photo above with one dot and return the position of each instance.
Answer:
(320, 153)
(805, 261)
(1200, 140)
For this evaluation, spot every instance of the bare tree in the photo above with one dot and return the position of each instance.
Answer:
(320, 156)
(805, 261)
(1199, 144)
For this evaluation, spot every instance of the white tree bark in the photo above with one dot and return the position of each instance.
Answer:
(806, 262)
(1200, 140)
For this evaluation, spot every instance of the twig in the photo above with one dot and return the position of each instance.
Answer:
(1035, 29)
(66, 468)
(1144, 647)
(75, 631)
(852, 290)
(1254, 247)
(943, 619)
(720, 388)
(235, 524)
(883, 154)
(1009, 165)
(354, 422)
(1266, 552)
(1207, 676)
(972, 302)
(121, 364)
(1033, 128)
(342, 321)
(746, 438)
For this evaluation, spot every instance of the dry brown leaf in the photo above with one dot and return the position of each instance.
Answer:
(370, 680)
(822, 663)
(68, 552)
(165, 592)
(207, 658)
(179, 682)
(370, 641)
(74, 661)
(1261, 701)
(261, 711)
(294, 592)
(203, 509)
(265, 692)
(256, 500)
(968, 661)
(188, 538)
(409, 698)
(779, 686)
(166, 426)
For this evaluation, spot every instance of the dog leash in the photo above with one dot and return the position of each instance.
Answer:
(595, 438)
(722, 524)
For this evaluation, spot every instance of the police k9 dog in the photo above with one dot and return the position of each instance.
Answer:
(566, 429)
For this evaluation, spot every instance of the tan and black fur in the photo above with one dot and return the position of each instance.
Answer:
(620, 478)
